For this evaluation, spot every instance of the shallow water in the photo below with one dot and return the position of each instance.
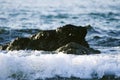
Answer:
(26, 17)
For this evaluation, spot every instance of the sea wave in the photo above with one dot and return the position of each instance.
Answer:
(24, 18)
(32, 65)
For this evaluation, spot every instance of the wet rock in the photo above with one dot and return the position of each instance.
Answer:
(69, 38)
(75, 48)
(50, 40)
(18, 44)
(70, 33)
(110, 77)
(44, 40)
(4, 47)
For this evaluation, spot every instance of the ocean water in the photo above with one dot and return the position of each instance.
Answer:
(22, 18)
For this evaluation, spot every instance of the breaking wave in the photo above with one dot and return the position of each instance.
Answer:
(33, 65)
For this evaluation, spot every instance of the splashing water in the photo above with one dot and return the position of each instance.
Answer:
(24, 18)
(33, 65)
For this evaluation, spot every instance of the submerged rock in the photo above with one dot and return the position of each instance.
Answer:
(69, 39)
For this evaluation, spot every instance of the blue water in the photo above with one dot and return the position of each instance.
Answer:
(26, 17)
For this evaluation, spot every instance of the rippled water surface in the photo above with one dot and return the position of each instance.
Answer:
(22, 18)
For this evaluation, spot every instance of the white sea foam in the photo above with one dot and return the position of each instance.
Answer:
(35, 64)
(46, 14)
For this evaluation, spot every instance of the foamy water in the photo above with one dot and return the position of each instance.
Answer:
(22, 18)
(33, 65)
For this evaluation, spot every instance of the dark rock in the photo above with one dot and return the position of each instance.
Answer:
(50, 40)
(63, 78)
(75, 48)
(18, 44)
(4, 47)
(110, 77)
(44, 40)
(68, 38)
(71, 33)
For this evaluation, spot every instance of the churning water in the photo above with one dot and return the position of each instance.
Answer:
(22, 18)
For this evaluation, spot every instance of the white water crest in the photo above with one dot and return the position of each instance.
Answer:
(102, 15)
(33, 65)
